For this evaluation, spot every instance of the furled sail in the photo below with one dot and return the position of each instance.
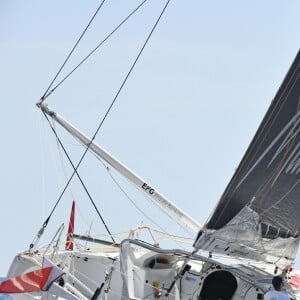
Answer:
(259, 211)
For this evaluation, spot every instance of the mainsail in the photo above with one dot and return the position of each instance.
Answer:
(262, 201)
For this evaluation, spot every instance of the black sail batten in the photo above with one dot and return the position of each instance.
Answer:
(268, 177)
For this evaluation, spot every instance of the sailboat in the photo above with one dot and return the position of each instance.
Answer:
(252, 234)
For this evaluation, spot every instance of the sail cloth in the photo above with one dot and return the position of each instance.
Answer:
(265, 189)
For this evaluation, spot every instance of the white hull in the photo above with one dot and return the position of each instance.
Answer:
(141, 271)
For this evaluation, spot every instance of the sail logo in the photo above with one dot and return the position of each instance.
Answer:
(148, 188)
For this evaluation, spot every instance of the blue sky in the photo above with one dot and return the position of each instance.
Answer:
(182, 121)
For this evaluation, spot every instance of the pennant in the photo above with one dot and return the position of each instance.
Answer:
(69, 241)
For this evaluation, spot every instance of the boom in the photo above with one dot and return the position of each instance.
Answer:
(142, 185)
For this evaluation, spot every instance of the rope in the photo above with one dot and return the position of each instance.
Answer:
(73, 49)
(141, 211)
(133, 203)
(81, 181)
(93, 51)
(102, 121)
(128, 74)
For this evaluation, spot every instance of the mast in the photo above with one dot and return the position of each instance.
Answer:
(141, 184)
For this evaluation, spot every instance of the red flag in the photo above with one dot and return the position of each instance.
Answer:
(69, 241)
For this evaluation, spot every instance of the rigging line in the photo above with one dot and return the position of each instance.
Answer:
(128, 74)
(141, 211)
(106, 114)
(62, 163)
(149, 199)
(133, 203)
(94, 50)
(74, 172)
(172, 235)
(73, 49)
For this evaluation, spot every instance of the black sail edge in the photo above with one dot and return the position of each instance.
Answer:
(268, 177)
